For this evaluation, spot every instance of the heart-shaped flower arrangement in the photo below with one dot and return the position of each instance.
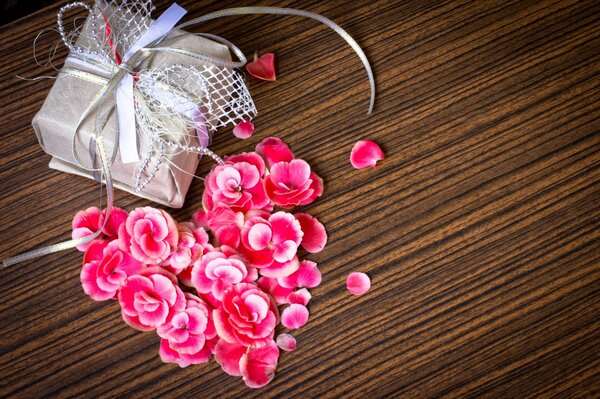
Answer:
(215, 285)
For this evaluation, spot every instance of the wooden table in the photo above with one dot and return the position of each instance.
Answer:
(480, 230)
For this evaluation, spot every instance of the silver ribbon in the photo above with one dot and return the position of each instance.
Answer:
(97, 141)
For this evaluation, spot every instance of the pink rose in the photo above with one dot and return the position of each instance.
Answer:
(150, 234)
(238, 185)
(293, 183)
(216, 272)
(147, 302)
(192, 242)
(275, 239)
(92, 219)
(187, 333)
(247, 316)
(105, 269)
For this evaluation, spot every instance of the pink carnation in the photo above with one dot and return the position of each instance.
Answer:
(105, 269)
(147, 302)
(187, 333)
(275, 239)
(216, 272)
(150, 234)
(192, 242)
(238, 185)
(293, 183)
(247, 316)
(92, 219)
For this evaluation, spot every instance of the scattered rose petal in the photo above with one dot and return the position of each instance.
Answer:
(274, 150)
(315, 236)
(228, 356)
(308, 275)
(262, 67)
(358, 283)
(365, 154)
(258, 365)
(294, 316)
(301, 297)
(286, 342)
(243, 130)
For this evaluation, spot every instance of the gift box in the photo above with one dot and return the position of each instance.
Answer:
(180, 100)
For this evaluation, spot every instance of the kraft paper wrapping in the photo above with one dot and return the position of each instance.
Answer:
(55, 126)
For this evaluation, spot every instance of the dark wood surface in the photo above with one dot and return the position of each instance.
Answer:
(479, 230)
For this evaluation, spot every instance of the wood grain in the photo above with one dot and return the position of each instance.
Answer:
(480, 230)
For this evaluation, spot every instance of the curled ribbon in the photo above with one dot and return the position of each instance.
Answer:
(121, 83)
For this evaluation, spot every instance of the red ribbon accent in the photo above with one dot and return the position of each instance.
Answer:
(108, 32)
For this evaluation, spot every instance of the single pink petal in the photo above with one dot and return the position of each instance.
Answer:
(243, 130)
(365, 154)
(285, 251)
(294, 316)
(281, 270)
(274, 150)
(301, 297)
(308, 275)
(262, 67)
(258, 365)
(315, 236)
(286, 342)
(358, 283)
(228, 356)
(259, 236)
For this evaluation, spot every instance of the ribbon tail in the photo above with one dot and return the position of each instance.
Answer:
(301, 13)
(126, 118)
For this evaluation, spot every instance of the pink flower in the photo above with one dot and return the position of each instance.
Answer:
(192, 242)
(150, 234)
(274, 150)
(365, 154)
(147, 302)
(315, 236)
(243, 130)
(308, 275)
(215, 273)
(262, 67)
(275, 239)
(255, 365)
(238, 185)
(247, 316)
(292, 183)
(187, 333)
(92, 219)
(105, 269)
(358, 283)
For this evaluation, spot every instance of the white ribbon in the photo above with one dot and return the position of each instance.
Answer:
(124, 93)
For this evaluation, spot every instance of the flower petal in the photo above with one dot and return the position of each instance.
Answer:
(243, 130)
(365, 154)
(286, 342)
(258, 365)
(358, 283)
(228, 356)
(294, 316)
(301, 296)
(274, 150)
(315, 236)
(263, 67)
